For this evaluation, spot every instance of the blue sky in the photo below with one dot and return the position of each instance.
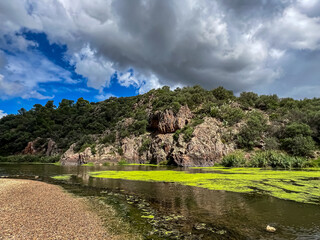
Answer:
(57, 91)
(55, 49)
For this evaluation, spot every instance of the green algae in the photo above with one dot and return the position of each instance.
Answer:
(148, 216)
(89, 164)
(300, 186)
(65, 177)
(142, 164)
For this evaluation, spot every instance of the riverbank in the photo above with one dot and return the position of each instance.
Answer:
(37, 210)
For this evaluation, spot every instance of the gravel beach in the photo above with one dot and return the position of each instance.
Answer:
(37, 210)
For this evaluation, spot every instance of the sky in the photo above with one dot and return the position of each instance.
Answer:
(55, 49)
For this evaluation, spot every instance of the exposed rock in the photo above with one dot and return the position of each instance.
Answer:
(130, 147)
(29, 149)
(160, 148)
(168, 122)
(52, 148)
(72, 158)
(206, 146)
(46, 147)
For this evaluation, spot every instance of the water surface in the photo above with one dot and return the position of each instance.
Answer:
(163, 210)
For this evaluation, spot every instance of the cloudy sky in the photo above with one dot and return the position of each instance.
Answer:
(54, 49)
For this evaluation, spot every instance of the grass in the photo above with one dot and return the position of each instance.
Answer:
(300, 186)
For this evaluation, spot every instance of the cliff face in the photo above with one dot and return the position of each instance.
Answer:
(206, 145)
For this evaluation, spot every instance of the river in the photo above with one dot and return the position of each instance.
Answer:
(168, 210)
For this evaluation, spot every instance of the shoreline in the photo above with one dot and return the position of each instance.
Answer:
(37, 210)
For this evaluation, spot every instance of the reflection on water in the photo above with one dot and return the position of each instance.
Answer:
(242, 216)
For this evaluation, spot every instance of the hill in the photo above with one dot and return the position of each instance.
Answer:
(187, 127)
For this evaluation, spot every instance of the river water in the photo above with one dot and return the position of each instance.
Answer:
(172, 211)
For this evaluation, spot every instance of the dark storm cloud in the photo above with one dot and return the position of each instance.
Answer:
(241, 45)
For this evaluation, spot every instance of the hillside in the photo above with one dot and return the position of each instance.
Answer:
(187, 127)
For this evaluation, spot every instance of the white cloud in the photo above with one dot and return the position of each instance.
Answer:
(294, 30)
(95, 69)
(237, 44)
(2, 114)
(23, 73)
(104, 96)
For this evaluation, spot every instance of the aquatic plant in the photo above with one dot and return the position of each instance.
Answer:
(62, 177)
(300, 186)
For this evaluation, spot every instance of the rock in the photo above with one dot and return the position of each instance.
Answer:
(52, 148)
(206, 146)
(160, 148)
(270, 229)
(72, 158)
(169, 122)
(29, 149)
(43, 146)
(131, 146)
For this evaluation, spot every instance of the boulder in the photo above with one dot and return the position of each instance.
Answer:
(205, 147)
(169, 122)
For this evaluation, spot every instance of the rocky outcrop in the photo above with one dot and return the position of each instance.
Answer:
(70, 157)
(168, 122)
(160, 148)
(29, 149)
(130, 148)
(209, 142)
(41, 146)
(206, 146)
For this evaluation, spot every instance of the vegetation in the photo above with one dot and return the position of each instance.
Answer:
(300, 186)
(266, 122)
(266, 159)
(29, 158)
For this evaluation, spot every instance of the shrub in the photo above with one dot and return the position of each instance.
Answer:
(188, 132)
(299, 145)
(120, 151)
(276, 159)
(235, 159)
(144, 146)
(30, 158)
(248, 99)
(271, 143)
(295, 129)
(122, 162)
(176, 135)
(221, 93)
(250, 135)
(108, 139)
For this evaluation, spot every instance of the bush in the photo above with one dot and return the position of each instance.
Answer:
(235, 159)
(144, 146)
(299, 145)
(250, 135)
(271, 143)
(228, 114)
(295, 129)
(248, 99)
(108, 139)
(122, 162)
(30, 159)
(276, 159)
(188, 132)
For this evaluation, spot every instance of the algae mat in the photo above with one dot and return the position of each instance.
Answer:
(300, 186)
